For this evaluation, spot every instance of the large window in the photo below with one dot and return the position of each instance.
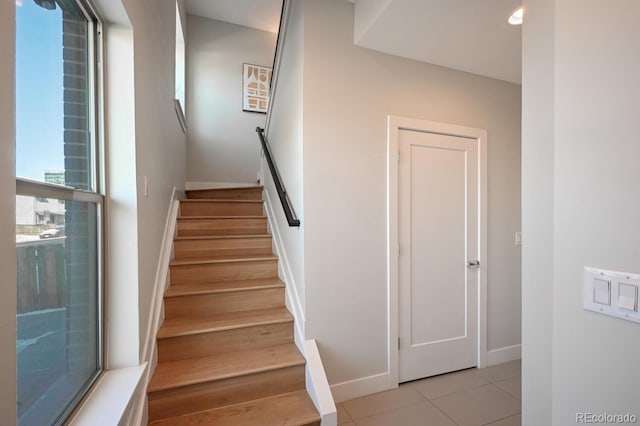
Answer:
(58, 209)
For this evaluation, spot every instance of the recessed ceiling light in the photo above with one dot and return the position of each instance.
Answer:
(516, 17)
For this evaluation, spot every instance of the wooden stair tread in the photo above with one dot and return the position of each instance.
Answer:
(232, 320)
(288, 409)
(219, 217)
(227, 188)
(219, 237)
(220, 200)
(233, 193)
(222, 259)
(222, 287)
(192, 371)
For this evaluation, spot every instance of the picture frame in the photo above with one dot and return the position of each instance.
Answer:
(256, 82)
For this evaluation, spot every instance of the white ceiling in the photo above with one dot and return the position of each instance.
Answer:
(261, 14)
(467, 35)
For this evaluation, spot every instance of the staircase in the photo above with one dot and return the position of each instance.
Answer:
(225, 350)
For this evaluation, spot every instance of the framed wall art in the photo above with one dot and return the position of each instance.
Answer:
(256, 81)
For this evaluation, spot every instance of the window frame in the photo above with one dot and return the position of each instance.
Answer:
(97, 179)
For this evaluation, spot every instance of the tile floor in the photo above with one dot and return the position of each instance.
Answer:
(474, 397)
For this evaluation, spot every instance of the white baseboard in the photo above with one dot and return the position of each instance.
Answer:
(155, 316)
(212, 185)
(360, 387)
(506, 354)
(284, 271)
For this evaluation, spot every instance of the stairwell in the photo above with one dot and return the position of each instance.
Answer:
(226, 352)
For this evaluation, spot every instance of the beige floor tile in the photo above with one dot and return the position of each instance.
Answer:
(500, 371)
(446, 384)
(421, 414)
(343, 416)
(513, 386)
(509, 421)
(384, 401)
(478, 406)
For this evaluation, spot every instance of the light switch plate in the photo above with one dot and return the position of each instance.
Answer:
(602, 291)
(518, 238)
(611, 293)
(627, 297)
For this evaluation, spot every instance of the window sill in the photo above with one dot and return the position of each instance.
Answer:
(108, 401)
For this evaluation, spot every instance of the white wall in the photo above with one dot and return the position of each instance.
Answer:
(597, 100)
(285, 138)
(537, 210)
(222, 144)
(8, 396)
(160, 143)
(575, 131)
(123, 339)
(348, 93)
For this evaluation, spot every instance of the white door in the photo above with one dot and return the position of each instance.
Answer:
(438, 236)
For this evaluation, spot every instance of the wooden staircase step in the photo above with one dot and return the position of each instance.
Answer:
(198, 384)
(205, 343)
(221, 208)
(173, 327)
(221, 225)
(222, 259)
(202, 247)
(237, 193)
(208, 271)
(222, 287)
(289, 409)
(220, 393)
(204, 305)
(171, 375)
(218, 237)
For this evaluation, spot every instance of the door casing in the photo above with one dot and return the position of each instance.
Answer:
(394, 125)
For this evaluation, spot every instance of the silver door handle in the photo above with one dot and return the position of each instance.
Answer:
(473, 264)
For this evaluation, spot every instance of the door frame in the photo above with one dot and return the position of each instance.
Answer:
(394, 125)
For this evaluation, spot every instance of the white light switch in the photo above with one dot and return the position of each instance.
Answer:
(611, 293)
(627, 296)
(602, 291)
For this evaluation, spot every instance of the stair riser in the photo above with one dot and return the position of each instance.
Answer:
(205, 305)
(218, 342)
(228, 271)
(206, 249)
(215, 227)
(227, 194)
(213, 208)
(205, 396)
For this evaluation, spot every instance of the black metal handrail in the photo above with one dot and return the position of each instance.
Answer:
(292, 219)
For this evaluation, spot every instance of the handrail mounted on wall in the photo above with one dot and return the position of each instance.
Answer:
(262, 133)
(292, 219)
